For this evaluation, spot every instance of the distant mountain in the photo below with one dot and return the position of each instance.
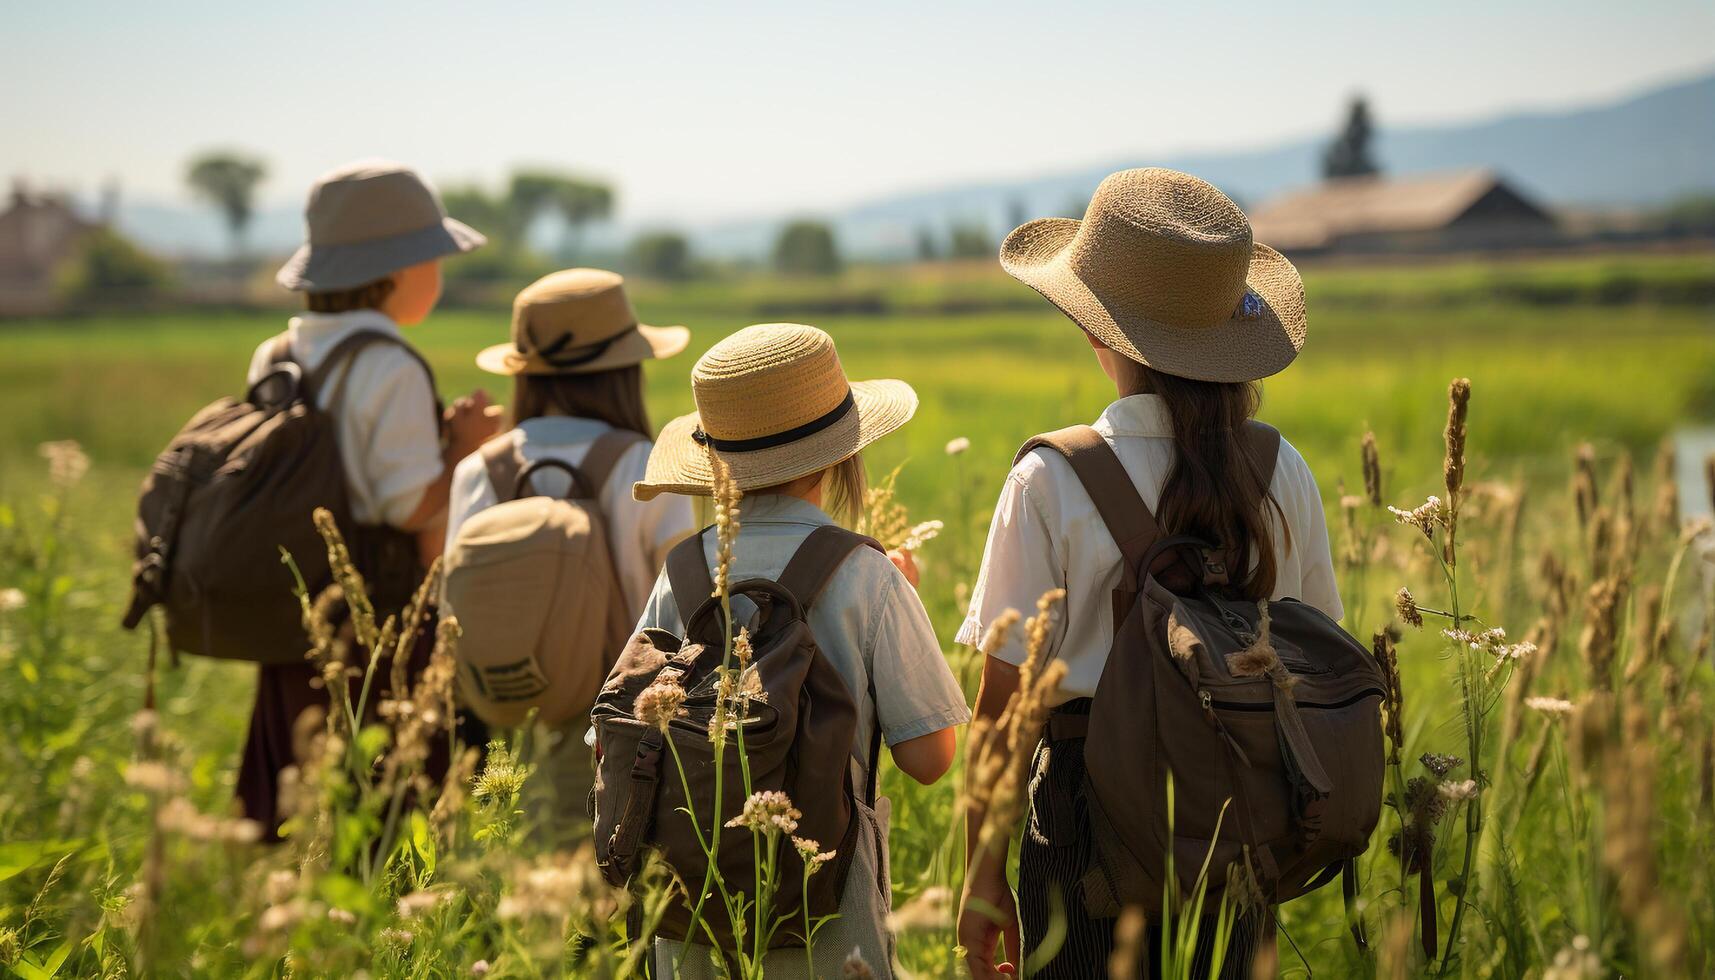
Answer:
(1635, 152)
(1640, 151)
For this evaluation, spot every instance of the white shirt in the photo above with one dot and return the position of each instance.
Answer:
(639, 534)
(389, 430)
(1047, 535)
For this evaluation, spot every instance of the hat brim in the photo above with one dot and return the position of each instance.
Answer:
(1245, 347)
(646, 343)
(325, 268)
(680, 464)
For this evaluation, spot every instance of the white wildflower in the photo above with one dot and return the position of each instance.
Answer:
(12, 600)
(957, 446)
(1552, 707)
(768, 811)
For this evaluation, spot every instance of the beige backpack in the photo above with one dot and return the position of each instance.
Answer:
(532, 583)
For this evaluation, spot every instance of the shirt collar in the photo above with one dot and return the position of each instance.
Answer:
(1137, 415)
(562, 428)
(780, 508)
(323, 324)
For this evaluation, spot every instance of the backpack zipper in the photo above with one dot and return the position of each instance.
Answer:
(1209, 702)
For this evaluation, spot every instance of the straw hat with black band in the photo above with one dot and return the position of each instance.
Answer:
(774, 403)
(1162, 268)
(367, 220)
(578, 321)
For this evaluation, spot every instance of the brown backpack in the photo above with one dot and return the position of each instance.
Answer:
(531, 580)
(799, 740)
(1277, 719)
(239, 483)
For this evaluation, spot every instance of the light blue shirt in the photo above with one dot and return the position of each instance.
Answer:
(868, 622)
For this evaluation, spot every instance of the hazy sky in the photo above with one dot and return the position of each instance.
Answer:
(700, 112)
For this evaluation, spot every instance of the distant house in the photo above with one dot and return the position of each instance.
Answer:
(1462, 210)
(39, 234)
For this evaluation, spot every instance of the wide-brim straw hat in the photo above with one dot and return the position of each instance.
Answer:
(1162, 268)
(367, 220)
(774, 403)
(578, 321)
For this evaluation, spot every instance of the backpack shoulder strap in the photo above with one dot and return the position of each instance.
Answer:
(504, 462)
(343, 354)
(1105, 479)
(1262, 442)
(604, 455)
(688, 575)
(818, 557)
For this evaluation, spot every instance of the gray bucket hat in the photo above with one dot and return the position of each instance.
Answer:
(368, 219)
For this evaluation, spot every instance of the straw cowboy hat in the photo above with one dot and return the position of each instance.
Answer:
(1162, 269)
(774, 403)
(578, 321)
(367, 220)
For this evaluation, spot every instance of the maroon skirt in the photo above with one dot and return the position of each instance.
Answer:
(283, 693)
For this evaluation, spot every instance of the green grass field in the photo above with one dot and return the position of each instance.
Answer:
(1616, 353)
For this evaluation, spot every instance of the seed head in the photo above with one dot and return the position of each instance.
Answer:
(812, 853)
(957, 446)
(768, 811)
(1458, 400)
(1406, 604)
(1552, 707)
(659, 704)
(1426, 517)
(1372, 470)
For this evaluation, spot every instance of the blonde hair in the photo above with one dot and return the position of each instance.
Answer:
(844, 486)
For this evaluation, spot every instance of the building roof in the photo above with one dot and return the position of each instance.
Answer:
(1316, 216)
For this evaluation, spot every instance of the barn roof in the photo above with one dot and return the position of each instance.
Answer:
(1315, 216)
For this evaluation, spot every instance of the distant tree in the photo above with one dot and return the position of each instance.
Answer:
(1349, 154)
(1016, 214)
(108, 268)
(970, 241)
(1075, 207)
(228, 181)
(482, 211)
(578, 201)
(661, 255)
(927, 248)
(806, 248)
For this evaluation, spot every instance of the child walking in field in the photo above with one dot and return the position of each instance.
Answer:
(1184, 314)
(775, 406)
(576, 359)
(377, 235)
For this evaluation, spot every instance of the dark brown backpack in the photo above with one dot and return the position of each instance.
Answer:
(1269, 709)
(799, 741)
(237, 484)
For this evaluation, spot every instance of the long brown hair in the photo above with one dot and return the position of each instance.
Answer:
(1215, 490)
(614, 396)
(369, 296)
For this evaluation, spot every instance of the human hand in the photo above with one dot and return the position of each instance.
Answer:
(907, 565)
(987, 916)
(469, 423)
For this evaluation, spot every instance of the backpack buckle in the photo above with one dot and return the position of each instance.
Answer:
(647, 764)
(1214, 569)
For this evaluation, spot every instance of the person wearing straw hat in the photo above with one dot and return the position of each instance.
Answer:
(377, 234)
(576, 359)
(1185, 314)
(775, 407)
